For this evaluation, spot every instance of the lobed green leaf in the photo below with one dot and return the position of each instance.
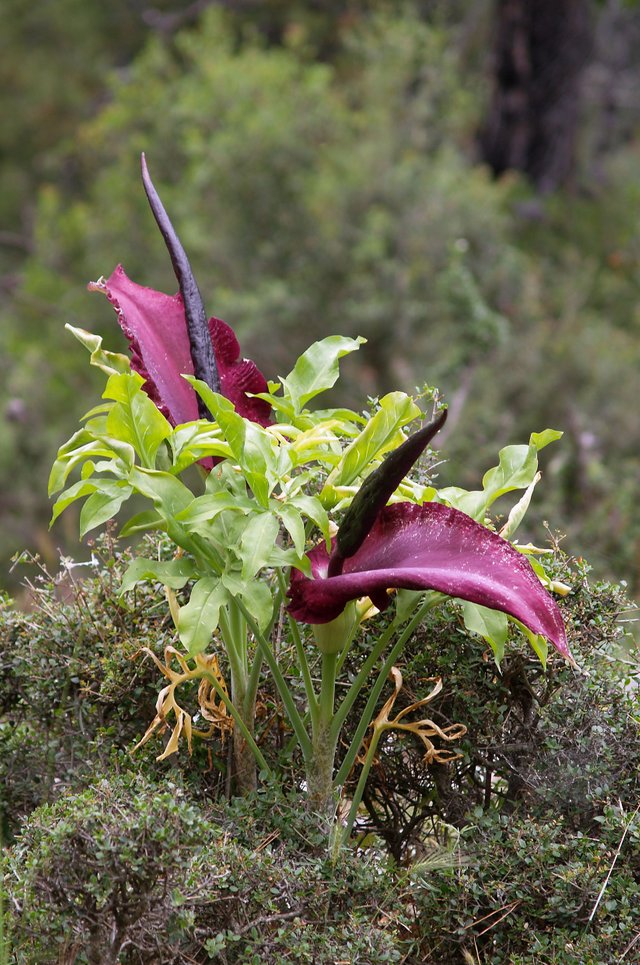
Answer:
(112, 363)
(251, 446)
(103, 504)
(317, 369)
(167, 493)
(257, 543)
(199, 617)
(172, 573)
(135, 419)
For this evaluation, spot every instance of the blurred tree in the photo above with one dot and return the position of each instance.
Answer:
(541, 48)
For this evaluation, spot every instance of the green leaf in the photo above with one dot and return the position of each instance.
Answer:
(199, 617)
(542, 439)
(113, 363)
(491, 625)
(407, 602)
(98, 410)
(84, 445)
(204, 509)
(255, 594)
(283, 558)
(222, 531)
(103, 504)
(516, 469)
(252, 447)
(135, 419)
(312, 508)
(194, 441)
(518, 511)
(277, 403)
(316, 444)
(122, 385)
(78, 491)
(317, 369)
(292, 522)
(142, 522)
(538, 643)
(172, 573)
(168, 494)
(257, 543)
(382, 433)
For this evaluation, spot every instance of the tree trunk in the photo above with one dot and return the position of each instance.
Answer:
(540, 50)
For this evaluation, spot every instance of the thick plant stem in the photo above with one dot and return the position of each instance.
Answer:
(244, 761)
(320, 777)
(243, 696)
(320, 770)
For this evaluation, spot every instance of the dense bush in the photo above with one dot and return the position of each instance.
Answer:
(529, 888)
(500, 855)
(536, 739)
(93, 867)
(130, 872)
(75, 689)
(543, 794)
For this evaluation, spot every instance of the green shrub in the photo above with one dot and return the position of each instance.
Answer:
(528, 887)
(500, 854)
(96, 867)
(536, 739)
(125, 872)
(544, 792)
(74, 688)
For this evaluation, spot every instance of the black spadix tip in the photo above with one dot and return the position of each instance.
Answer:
(204, 361)
(376, 490)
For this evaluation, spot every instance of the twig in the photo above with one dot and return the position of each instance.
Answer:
(630, 946)
(505, 909)
(268, 919)
(613, 864)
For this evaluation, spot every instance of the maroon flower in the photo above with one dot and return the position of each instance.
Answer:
(155, 325)
(429, 547)
(169, 336)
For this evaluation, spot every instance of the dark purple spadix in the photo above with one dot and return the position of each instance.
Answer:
(376, 490)
(204, 361)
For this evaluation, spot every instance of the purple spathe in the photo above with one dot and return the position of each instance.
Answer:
(430, 547)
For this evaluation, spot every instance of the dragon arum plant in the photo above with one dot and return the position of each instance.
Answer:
(288, 507)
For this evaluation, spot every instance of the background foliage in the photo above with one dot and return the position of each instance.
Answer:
(322, 168)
